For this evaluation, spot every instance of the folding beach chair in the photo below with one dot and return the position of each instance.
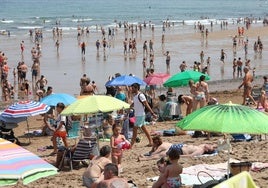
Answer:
(83, 151)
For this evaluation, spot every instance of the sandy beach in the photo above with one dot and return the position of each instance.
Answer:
(253, 151)
(65, 69)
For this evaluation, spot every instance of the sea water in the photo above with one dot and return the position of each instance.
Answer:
(19, 15)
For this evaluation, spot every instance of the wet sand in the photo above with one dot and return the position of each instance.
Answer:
(64, 70)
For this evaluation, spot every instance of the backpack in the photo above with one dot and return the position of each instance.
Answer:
(149, 101)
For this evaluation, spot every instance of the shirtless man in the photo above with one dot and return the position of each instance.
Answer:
(188, 100)
(239, 67)
(247, 83)
(159, 149)
(35, 70)
(83, 80)
(41, 83)
(87, 89)
(111, 178)
(192, 151)
(23, 69)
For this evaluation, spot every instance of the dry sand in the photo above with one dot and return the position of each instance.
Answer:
(139, 171)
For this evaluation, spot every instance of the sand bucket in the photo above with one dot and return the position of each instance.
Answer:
(236, 168)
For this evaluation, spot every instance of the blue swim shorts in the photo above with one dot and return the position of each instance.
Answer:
(140, 121)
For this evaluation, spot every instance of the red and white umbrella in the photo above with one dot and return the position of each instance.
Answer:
(25, 109)
(156, 79)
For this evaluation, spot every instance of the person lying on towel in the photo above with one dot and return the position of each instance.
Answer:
(160, 149)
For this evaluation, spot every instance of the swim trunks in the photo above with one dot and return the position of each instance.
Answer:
(177, 147)
(174, 182)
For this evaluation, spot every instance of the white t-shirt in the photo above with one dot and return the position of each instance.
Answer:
(59, 119)
(138, 106)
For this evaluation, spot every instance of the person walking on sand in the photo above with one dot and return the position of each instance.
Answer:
(223, 56)
(83, 48)
(57, 44)
(35, 71)
(239, 67)
(98, 45)
(167, 54)
(22, 47)
(139, 102)
(41, 83)
(60, 130)
(247, 83)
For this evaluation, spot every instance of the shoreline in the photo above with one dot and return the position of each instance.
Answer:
(184, 44)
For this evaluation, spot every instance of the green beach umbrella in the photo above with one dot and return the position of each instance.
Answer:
(95, 104)
(226, 118)
(182, 78)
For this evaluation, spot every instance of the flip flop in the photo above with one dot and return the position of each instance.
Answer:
(149, 145)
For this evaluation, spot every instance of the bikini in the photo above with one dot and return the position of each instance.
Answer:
(174, 182)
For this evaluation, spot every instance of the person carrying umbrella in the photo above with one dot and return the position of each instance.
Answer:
(60, 130)
(140, 113)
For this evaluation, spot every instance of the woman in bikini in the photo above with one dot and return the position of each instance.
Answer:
(202, 92)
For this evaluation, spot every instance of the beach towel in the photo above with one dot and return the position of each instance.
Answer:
(242, 179)
(258, 166)
(188, 179)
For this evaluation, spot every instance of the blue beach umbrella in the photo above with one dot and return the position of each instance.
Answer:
(53, 99)
(125, 80)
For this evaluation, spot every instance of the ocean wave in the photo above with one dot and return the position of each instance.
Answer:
(30, 27)
(7, 21)
(67, 28)
(81, 20)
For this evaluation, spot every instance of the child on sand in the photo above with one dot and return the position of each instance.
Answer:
(173, 171)
(118, 144)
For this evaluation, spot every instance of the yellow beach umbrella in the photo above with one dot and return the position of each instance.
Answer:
(95, 104)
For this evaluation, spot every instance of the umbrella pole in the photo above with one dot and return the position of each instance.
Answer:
(28, 130)
(228, 163)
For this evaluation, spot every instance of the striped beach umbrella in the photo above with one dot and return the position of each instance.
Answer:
(25, 109)
(19, 165)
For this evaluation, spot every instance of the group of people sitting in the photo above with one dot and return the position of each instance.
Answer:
(168, 155)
